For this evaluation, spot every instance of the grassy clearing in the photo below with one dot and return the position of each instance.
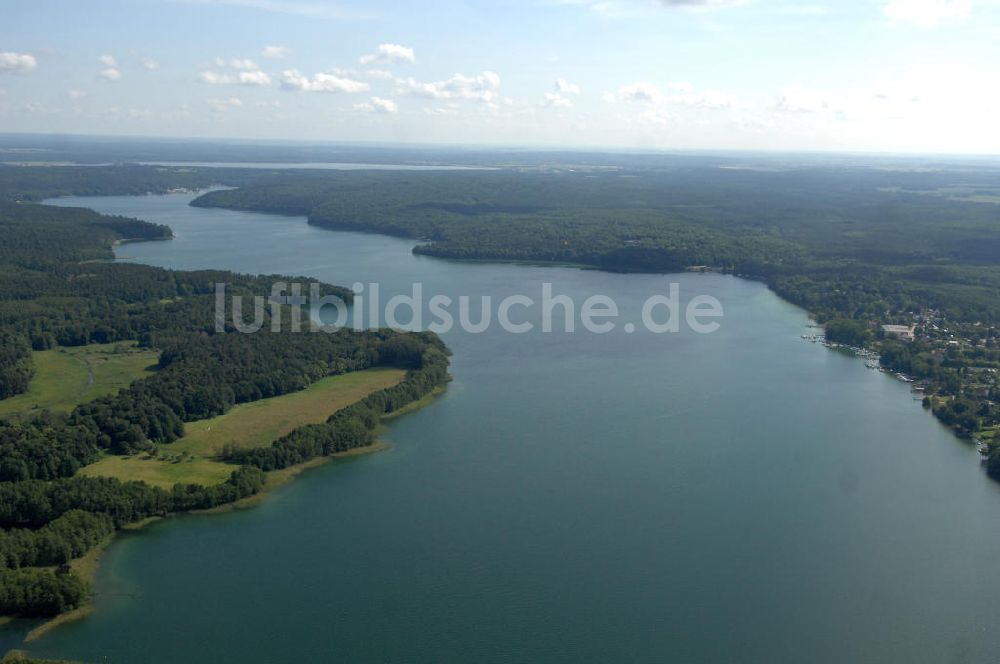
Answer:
(193, 457)
(160, 470)
(67, 377)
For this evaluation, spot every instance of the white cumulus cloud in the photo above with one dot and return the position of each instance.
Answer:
(377, 105)
(293, 79)
(253, 78)
(258, 78)
(482, 87)
(389, 53)
(149, 63)
(17, 61)
(108, 61)
(110, 74)
(242, 63)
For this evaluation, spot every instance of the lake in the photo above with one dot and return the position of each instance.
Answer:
(741, 496)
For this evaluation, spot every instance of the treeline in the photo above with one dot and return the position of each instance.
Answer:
(33, 503)
(41, 236)
(59, 541)
(847, 331)
(201, 377)
(32, 592)
(16, 368)
(514, 216)
(44, 447)
(36, 183)
(350, 427)
(108, 302)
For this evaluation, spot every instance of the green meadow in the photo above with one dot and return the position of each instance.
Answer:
(66, 377)
(193, 458)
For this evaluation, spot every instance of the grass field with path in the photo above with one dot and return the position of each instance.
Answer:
(66, 377)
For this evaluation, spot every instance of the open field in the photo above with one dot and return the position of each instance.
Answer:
(66, 377)
(193, 457)
(163, 470)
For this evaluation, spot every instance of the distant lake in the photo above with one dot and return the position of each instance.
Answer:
(744, 496)
(319, 165)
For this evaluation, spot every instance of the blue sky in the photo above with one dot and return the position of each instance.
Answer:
(859, 75)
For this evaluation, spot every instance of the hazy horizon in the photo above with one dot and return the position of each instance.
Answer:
(89, 140)
(865, 76)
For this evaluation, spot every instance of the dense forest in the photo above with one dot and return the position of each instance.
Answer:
(887, 236)
(61, 287)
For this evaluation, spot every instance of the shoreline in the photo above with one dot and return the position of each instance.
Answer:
(87, 565)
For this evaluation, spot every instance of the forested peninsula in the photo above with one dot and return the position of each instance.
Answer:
(61, 289)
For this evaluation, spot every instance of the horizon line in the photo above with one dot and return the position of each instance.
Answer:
(491, 147)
